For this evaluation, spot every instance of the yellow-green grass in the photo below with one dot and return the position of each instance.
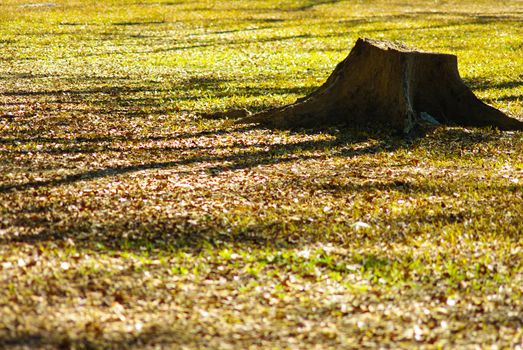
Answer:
(127, 221)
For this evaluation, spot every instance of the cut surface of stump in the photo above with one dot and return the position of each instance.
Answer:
(390, 85)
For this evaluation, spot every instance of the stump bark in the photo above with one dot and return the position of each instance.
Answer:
(388, 84)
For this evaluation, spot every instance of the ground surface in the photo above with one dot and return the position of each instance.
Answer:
(126, 221)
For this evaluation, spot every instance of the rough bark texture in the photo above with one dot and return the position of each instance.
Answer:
(388, 84)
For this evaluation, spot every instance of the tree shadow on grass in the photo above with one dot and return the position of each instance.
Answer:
(157, 335)
(483, 84)
(245, 157)
(130, 98)
(113, 139)
(185, 232)
(277, 152)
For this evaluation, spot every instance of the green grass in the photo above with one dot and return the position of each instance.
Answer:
(127, 221)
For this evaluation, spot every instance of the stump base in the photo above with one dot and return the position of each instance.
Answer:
(388, 84)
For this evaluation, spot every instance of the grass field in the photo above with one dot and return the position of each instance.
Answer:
(128, 221)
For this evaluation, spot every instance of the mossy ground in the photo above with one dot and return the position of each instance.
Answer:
(127, 221)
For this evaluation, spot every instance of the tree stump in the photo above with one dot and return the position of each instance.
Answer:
(388, 84)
